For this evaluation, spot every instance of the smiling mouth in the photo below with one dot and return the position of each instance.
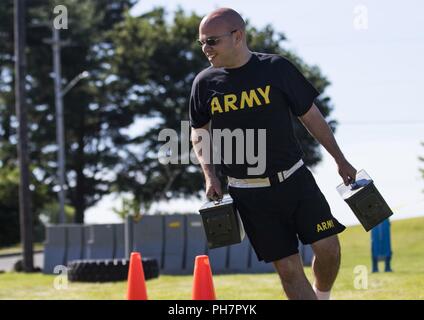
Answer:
(211, 56)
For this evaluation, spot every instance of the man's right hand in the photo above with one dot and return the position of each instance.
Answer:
(213, 188)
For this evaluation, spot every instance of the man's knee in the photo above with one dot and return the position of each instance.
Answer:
(289, 268)
(328, 248)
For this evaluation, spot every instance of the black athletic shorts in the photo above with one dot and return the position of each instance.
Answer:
(275, 217)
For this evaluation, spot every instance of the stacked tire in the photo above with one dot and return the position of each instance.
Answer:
(108, 270)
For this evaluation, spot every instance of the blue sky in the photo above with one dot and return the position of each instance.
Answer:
(376, 72)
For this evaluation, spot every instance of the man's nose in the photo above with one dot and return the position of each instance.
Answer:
(207, 49)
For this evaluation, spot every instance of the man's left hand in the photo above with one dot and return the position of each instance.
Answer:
(346, 171)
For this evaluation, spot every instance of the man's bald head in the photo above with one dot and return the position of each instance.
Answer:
(222, 34)
(226, 16)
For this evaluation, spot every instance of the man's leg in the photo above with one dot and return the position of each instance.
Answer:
(387, 267)
(293, 278)
(374, 264)
(326, 264)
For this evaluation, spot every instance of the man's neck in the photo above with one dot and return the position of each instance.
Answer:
(244, 58)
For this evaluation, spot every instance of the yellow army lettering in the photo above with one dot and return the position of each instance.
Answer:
(252, 98)
(325, 225)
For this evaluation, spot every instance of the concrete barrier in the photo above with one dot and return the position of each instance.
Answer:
(195, 242)
(174, 237)
(74, 242)
(218, 259)
(119, 241)
(239, 256)
(148, 237)
(100, 243)
(174, 240)
(54, 247)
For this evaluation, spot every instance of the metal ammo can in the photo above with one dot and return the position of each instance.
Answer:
(222, 223)
(365, 201)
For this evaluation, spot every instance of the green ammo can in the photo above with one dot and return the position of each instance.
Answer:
(222, 223)
(365, 201)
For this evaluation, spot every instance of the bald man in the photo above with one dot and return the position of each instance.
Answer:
(244, 90)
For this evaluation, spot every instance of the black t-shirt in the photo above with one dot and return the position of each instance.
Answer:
(261, 94)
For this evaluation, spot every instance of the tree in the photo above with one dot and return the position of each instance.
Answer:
(155, 63)
(9, 206)
(9, 173)
(92, 123)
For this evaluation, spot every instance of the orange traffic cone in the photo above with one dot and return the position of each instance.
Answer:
(136, 282)
(203, 284)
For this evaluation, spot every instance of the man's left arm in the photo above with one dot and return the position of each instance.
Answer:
(315, 123)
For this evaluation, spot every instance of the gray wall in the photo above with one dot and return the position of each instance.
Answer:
(174, 240)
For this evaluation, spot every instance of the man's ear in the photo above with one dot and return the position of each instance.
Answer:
(239, 36)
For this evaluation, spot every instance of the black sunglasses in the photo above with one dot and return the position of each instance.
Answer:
(213, 41)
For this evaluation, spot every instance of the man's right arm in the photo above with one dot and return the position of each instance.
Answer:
(213, 185)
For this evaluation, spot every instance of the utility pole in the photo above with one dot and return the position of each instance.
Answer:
(25, 215)
(60, 132)
(59, 93)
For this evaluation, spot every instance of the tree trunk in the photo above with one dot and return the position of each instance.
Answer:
(79, 197)
(79, 203)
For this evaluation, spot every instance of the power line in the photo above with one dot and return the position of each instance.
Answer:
(306, 42)
(383, 123)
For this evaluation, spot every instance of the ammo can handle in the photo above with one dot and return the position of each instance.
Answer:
(215, 202)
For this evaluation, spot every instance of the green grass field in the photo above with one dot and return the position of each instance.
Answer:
(406, 282)
(18, 248)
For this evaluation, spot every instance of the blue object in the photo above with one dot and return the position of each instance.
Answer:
(381, 248)
(359, 184)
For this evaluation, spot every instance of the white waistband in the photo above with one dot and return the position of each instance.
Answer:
(263, 182)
